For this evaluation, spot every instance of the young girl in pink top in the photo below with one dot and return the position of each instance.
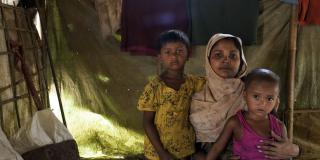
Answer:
(248, 128)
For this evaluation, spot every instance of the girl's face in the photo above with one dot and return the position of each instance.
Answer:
(173, 55)
(261, 97)
(225, 58)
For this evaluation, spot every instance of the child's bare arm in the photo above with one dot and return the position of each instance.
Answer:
(152, 133)
(223, 139)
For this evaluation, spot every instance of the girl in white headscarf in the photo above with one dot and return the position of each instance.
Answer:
(221, 96)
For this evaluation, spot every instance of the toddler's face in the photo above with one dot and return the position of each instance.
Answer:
(261, 97)
(173, 55)
(225, 59)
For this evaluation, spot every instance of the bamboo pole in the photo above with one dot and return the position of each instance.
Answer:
(307, 111)
(1, 115)
(2, 89)
(291, 66)
(16, 29)
(18, 97)
(43, 22)
(4, 53)
(44, 61)
(24, 48)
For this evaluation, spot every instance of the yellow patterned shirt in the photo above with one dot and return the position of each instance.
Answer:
(171, 109)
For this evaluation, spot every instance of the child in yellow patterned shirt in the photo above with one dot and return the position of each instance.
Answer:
(166, 99)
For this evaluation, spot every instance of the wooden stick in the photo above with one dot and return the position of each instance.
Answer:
(291, 66)
(17, 82)
(26, 95)
(19, 53)
(25, 48)
(4, 53)
(307, 111)
(16, 29)
(43, 23)
(44, 60)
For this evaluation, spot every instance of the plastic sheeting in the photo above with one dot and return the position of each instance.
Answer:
(108, 82)
(43, 129)
(6, 150)
(10, 2)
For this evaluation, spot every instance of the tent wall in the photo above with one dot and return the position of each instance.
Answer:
(109, 13)
(97, 77)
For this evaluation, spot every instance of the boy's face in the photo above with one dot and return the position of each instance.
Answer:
(261, 97)
(225, 59)
(173, 55)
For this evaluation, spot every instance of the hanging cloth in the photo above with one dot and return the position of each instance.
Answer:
(143, 20)
(309, 12)
(238, 18)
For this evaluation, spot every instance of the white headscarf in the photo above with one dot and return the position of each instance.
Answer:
(220, 98)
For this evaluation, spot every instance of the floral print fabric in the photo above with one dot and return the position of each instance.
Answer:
(171, 109)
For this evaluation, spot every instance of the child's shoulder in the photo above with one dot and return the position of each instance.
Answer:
(279, 128)
(275, 118)
(195, 77)
(154, 79)
(197, 81)
(234, 121)
(153, 82)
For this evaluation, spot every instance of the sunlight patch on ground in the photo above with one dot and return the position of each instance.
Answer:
(96, 135)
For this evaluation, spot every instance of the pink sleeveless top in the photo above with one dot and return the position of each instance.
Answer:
(246, 147)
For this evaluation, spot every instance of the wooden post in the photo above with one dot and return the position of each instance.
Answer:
(1, 116)
(291, 68)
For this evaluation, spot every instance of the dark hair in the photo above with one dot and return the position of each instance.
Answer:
(261, 74)
(235, 41)
(172, 36)
(238, 46)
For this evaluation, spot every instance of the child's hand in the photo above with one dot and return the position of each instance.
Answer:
(281, 148)
(166, 156)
